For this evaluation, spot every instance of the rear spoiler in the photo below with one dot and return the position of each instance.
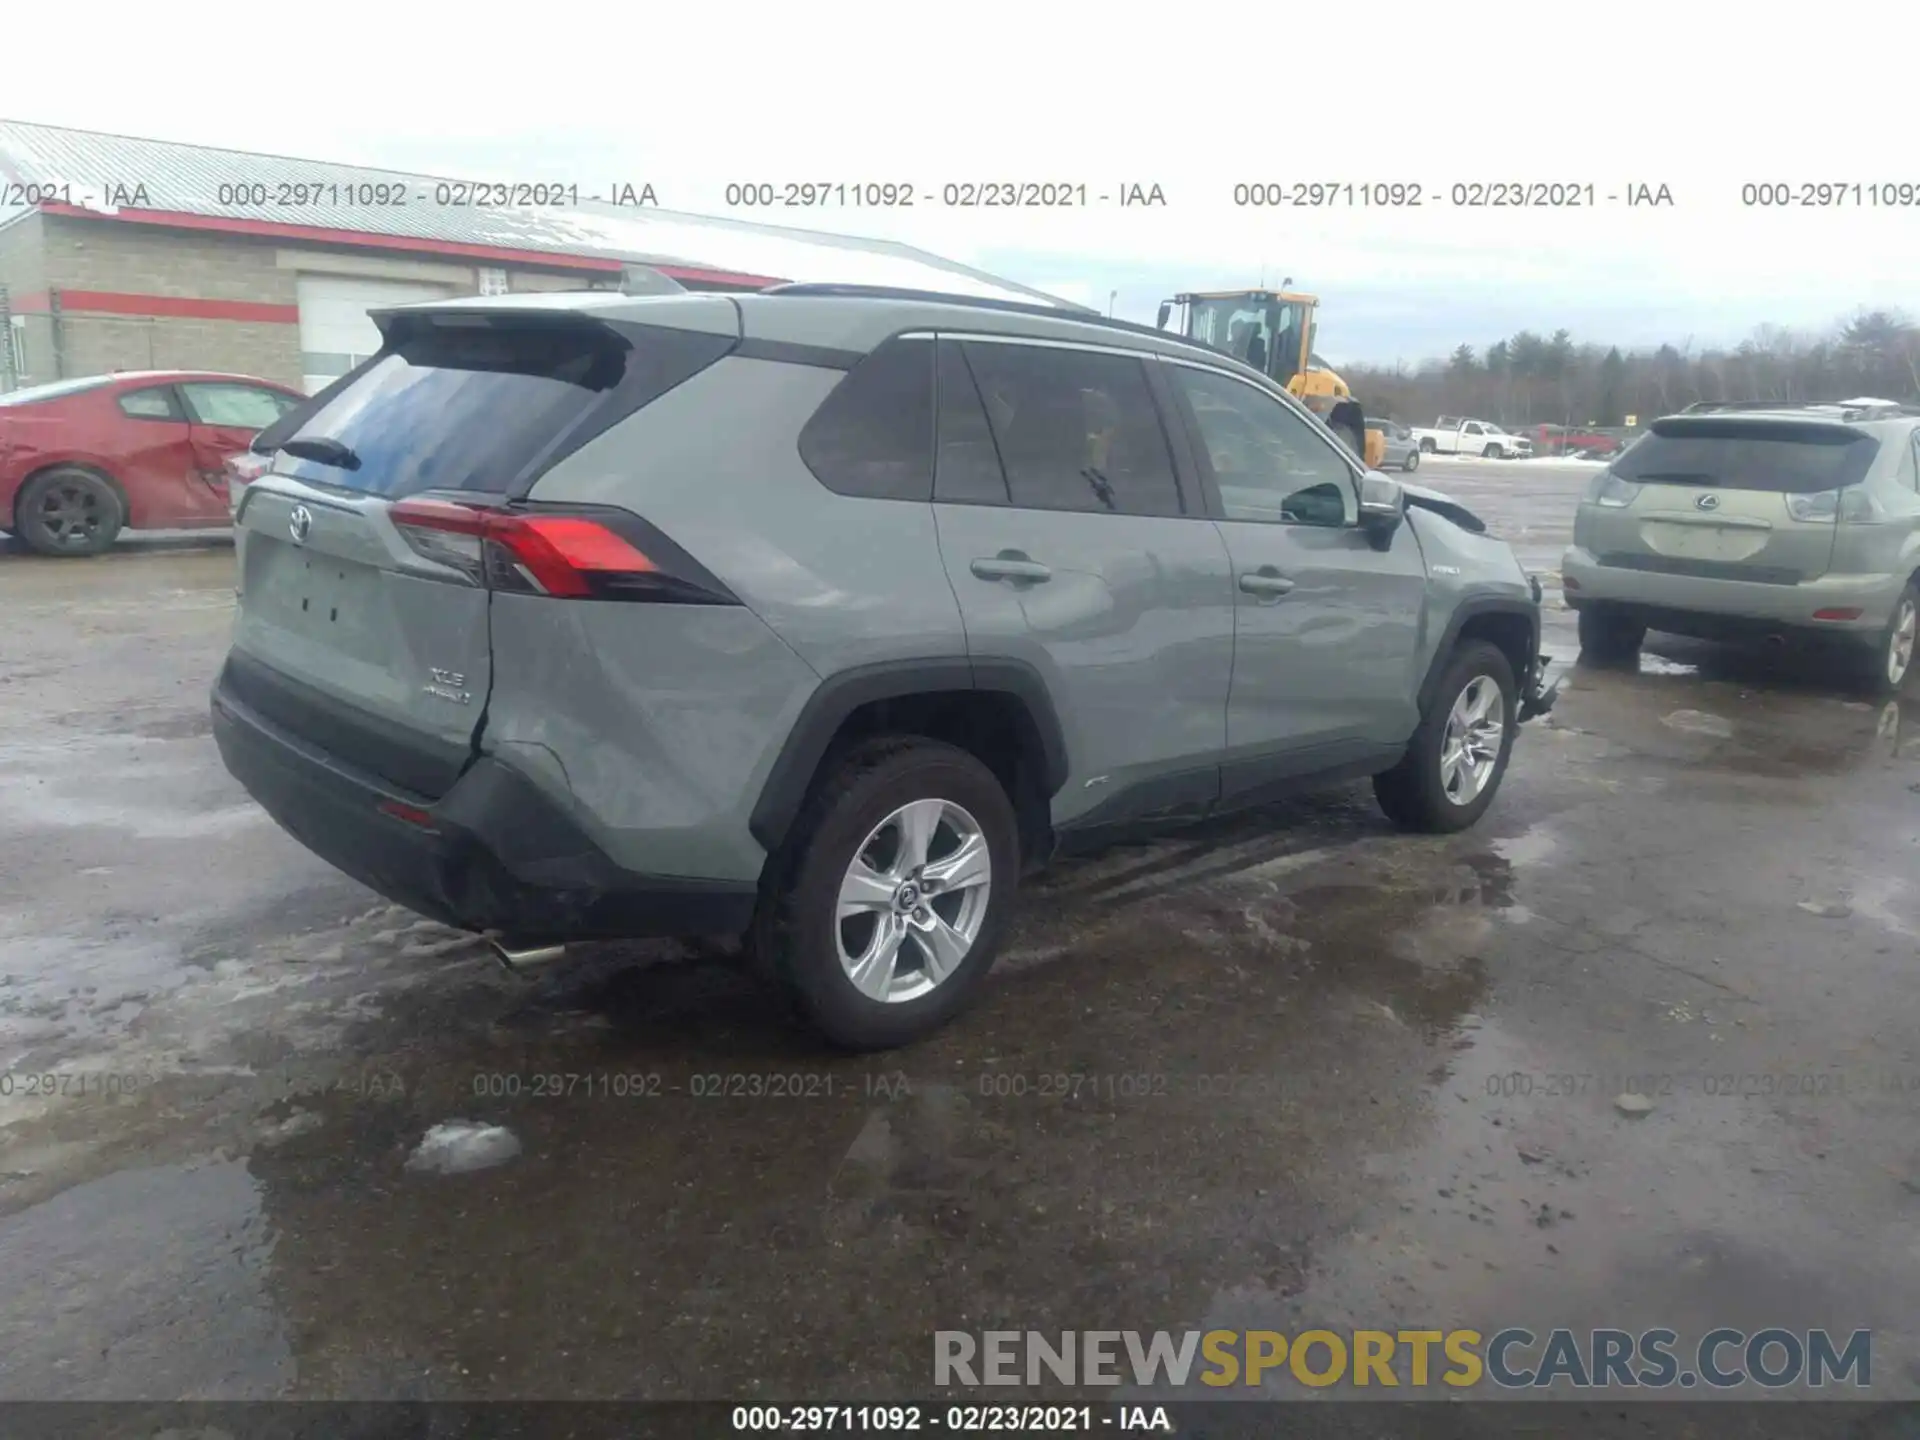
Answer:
(1725, 425)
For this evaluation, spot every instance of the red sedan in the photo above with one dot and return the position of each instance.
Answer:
(82, 459)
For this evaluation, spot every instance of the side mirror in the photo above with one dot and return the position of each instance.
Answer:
(1166, 309)
(1383, 504)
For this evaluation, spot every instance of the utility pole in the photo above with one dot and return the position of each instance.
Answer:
(1112, 295)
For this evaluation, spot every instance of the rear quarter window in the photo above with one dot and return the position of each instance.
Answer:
(872, 437)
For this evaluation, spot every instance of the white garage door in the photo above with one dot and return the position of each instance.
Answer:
(335, 333)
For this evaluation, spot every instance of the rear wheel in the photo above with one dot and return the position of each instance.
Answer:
(892, 892)
(1412, 462)
(1427, 447)
(68, 511)
(1608, 636)
(1889, 664)
(1457, 758)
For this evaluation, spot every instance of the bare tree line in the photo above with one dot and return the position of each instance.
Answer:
(1531, 379)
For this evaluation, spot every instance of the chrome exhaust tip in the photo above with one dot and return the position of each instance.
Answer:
(520, 957)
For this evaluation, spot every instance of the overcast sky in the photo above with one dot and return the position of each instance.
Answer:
(1194, 97)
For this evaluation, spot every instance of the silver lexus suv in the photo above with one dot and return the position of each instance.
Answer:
(1764, 520)
(819, 616)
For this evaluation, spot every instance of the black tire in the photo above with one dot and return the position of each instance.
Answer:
(1427, 447)
(1492, 452)
(797, 933)
(1412, 462)
(1414, 793)
(68, 511)
(1876, 666)
(1608, 636)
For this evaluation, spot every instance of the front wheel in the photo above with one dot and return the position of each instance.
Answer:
(892, 893)
(1492, 452)
(1457, 757)
(1412, 462)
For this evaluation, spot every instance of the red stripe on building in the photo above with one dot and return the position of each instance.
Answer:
(34, 304)
(368, 240)
(112, 302)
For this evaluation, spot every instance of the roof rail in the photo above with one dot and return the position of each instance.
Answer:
(1063, 311)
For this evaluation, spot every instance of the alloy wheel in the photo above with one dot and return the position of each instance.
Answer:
(1470, 747)
(1900, 641)
(913, 900)
(71, 515)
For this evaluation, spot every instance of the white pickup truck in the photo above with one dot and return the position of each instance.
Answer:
(1457, 435)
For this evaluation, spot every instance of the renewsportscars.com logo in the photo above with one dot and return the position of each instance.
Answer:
(1511, 1359)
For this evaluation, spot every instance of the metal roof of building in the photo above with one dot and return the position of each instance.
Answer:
(94, 170)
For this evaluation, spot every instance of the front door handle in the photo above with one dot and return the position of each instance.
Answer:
(1266, 582)
(1011, 565)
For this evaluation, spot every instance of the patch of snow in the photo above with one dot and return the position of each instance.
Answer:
(455, 1147)
(1699, 722)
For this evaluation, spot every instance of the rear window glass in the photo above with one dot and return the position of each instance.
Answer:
(1729, 455)
(473, 407)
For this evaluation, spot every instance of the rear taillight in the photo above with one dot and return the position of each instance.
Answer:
(1610, 490)
(566, 552)
(241, 471)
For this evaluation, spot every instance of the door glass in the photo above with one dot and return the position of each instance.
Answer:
(1911, 473)
(245, 407)
(149, 405)
(967, 467)
(1267, 461)
(1076, 430)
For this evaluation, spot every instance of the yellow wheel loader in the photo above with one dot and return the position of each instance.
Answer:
(1273, 330)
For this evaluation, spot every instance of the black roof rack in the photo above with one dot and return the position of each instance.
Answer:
(1062, 311)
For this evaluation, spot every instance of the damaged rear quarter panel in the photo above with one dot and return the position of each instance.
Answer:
(660, 722)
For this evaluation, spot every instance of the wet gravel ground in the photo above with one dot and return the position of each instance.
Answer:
(1285, 1071)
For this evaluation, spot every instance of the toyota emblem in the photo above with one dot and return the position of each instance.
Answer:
(1708, 502)
(299, 523)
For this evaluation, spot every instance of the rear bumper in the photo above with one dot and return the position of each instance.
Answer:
(1697, 605)
(493, 854)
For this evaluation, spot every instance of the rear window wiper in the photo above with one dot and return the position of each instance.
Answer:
(324, 452)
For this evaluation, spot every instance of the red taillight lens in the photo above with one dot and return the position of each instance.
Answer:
(569, 554)
(1838, 612)
(563, 553)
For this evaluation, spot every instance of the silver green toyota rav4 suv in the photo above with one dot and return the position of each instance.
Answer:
(1764, 520)
(819, 616)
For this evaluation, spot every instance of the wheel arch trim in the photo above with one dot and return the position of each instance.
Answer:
(840, 695)
(1469, 610)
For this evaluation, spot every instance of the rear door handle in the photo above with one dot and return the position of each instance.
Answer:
(1265, 582)
(1011, 565)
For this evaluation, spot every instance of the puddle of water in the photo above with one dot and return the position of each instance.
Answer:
(1527, 848)
(143, 1285)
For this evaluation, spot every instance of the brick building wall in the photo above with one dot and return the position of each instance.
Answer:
(23, 273)
(103, 269)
